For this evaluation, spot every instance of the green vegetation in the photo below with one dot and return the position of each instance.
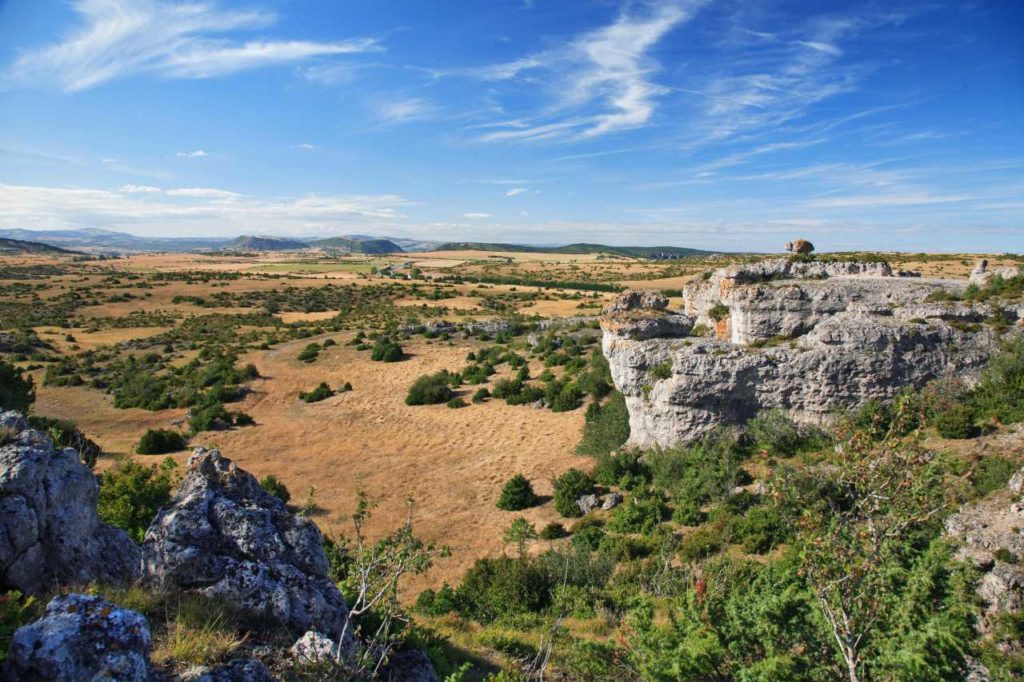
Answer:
(517, 494)
(718, 312)
(606, 428)
(275, 487)
(131, 494)
(568, 488)
(17, 392)
(430, 389)
(321, 392)
(160, 442)
(386, 350)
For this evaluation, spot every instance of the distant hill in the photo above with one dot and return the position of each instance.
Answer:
(656, 252)
(18, 246)
(250, 243)
(358, 244)
(108, 241)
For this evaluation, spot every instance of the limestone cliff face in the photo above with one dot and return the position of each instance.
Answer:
(802, 338)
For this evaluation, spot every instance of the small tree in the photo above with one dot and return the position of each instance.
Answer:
(17, 392)
(517, 494)
(430, 389)
(569, 487)
(519, 533)
(160, 442)
(131, 494)
(275, 487)
(321, 392)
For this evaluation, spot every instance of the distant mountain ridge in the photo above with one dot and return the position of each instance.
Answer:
(656, 252)
(108, 241)
(19, 246)
(256, 243)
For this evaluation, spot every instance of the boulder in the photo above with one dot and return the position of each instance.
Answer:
(49, 531)
(81, 637)
(611, 501)
(224, 536)
(408, 665)
(588, 503)
(799, 246)
(315, 647)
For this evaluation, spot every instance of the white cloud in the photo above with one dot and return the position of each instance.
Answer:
(202, 193)
(515, 191)
(876, 200)
(140, 189)
(603, 78)
(197, 154)
(305, 145)
(476, 216)
(405, 110)
(195, 211)
(118, 38)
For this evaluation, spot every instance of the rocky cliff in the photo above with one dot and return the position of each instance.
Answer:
(808, 337)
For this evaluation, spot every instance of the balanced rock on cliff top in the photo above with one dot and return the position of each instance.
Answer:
(799, 246)
(226, 537)
(50, 530)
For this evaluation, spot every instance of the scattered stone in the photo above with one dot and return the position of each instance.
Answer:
(49, 530)
(409, 665)
(315, 647)
(1017, 484)
(611, 501)
(238, 670)
(81, 637)
(224, 536)
(588, 503)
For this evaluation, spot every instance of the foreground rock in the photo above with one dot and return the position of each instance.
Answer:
(50, 531)
(81, 638)
(226, 537)
(808, 337)
(990, 534)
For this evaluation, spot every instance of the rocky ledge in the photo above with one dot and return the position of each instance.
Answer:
(807, 337)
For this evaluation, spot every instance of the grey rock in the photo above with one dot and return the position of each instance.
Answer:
(49, 530)
(315, 647)
(238, 670)
(611, 501)
(1017, 484)
(409, 665)
(976, 670)
(982, 276)
(492, 327)
(78, 638)
(636, 299)
(224, 536)
(804, 337)
(588, 503)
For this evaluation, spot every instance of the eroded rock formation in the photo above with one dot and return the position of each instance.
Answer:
(808, 337)
(49, 530)
(226, 537)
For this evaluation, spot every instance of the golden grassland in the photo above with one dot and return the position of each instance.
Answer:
(452, 462)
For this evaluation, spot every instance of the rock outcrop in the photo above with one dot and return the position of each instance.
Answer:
(990, 534)
(81, 637)
(982, 276)
(50, 530)
(808, 337)
(226, 537)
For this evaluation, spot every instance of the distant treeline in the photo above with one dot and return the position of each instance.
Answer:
(529, 282)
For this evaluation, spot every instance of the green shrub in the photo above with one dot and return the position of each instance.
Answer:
(625, 469)
(502, 587)
(761, 529)
(456, 403)
(242, 419)
(701, 472)
(594, 661)
(430, 389)
(481, 395)
(774, 431)
(131, 494)
(641, 513)
(16, 610)
(321, 392)
(992, 473)
(386, 350)
(65, 434)
(310, 353)
(160, 442)
(17, 392)
(1000, 393)
(588, 537)
(272, 485)
(956, 422)
(553, 531)
(568, 487)
(606, 427)
(519, 532)
(718, 312)
(688, 513)
(704, 541)
(209, 418)
(517, 494)
(662, 371)
(573, 601)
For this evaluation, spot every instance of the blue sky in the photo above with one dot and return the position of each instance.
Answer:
(705, 123)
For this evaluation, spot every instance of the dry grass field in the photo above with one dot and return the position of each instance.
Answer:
(452, 462)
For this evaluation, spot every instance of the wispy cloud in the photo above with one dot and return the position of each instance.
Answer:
(197, 154)
(476, 216)
(119, 38)
(406, 110)
(515, 191)
(603, 79)
(885, 199)
(191, 210)
(140, 189)
(305, 145)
